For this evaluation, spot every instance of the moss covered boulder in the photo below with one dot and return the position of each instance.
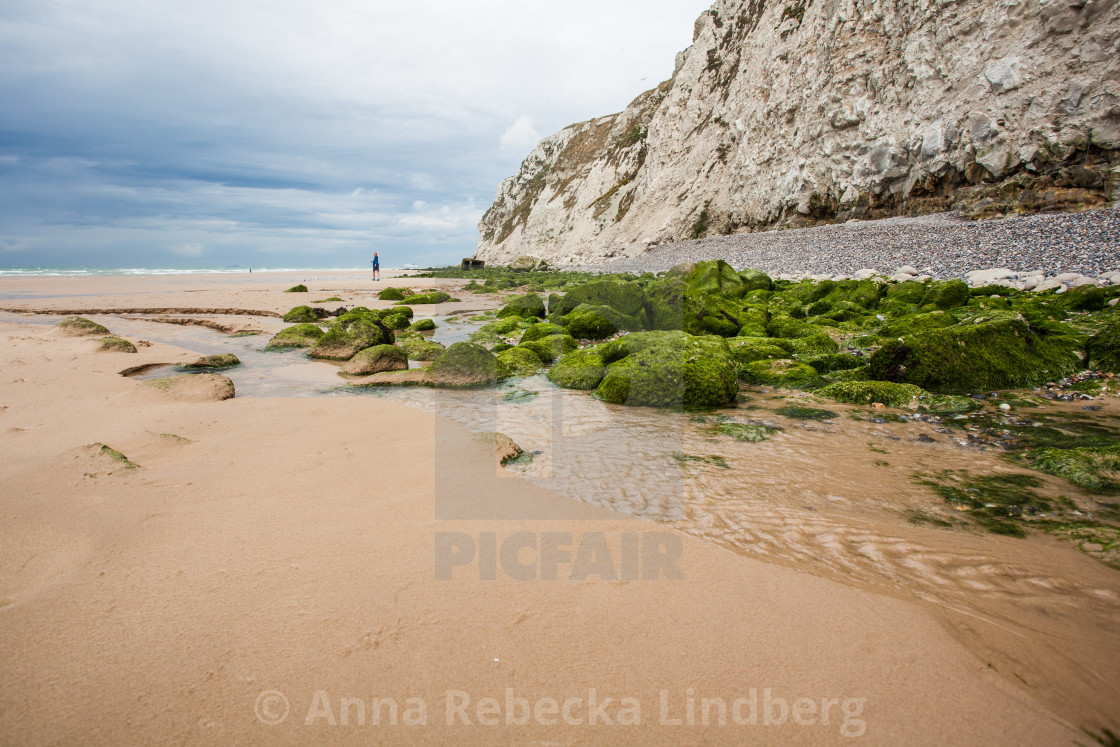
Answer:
(1103, 349)
(520, 361)
(783, 372)
(946, 295)
(579, 369)
(912, 323)
(350, 334)
(425, 298)
(465, 364)
(668, 369)
(552, 347)
(375, 360)
(818, 344)
(78, 326)
(529, 306)
(297, 289)
(869, 392)
(1000, 352)
(422, 325)
(624, 297)
(395, 320)
(708, 298)
(747, 349)
(301, 315)
(419, 349)
(587, 322)
(299, 336)
(116, 345)
(394, 294)
(222, 360)
(541, 330)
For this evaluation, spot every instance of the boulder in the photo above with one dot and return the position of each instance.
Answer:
(116, 345)
(579, 369)
(668, 368)
(222, 360)
(624, 297)
(349, 334)
(375, 360)
(301, 315)
(529, 306)
(425, 298)
(77, 326)
(586, 322)
(946, 295)
(542, 329)
(748, 349)
(297, 289)
(299, 336)
(393, 294)
(782, 372)
(504, 448)
(552, 347)
(191, 388)
(869, 392)
(422, 325)
(520, 361)
(416, 348)
(524, 263)
(998, 351)
(465, 364)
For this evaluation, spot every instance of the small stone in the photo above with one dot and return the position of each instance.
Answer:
(1005, 407)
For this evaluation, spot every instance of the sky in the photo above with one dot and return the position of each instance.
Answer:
(295, 133)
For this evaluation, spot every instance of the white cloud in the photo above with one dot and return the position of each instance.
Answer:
(188, 250)
(520, 137)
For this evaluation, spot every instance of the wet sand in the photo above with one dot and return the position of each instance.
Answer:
(291, 545)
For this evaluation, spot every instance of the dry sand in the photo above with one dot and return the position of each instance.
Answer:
(289, 545)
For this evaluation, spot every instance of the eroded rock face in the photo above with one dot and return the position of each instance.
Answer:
(784, 113)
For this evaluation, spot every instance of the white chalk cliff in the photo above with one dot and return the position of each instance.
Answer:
(784, 113)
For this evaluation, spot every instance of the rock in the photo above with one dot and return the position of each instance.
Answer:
(375, 360)
(76, 326)
(748, 349)
(396, 309)
(1082, 281)
(465, 364)
(349, 334)
(625, 298)
(704, 298)
(520, 361)
(394, 294)
(223, 360)
(579, 369)
(906, 270)
(947, 295)
(989, 277)
(1103, 349)
(870, 392)
(422, 325)
(505, 450)
(297, 289)
(998, 352)
(1047, 285)
(191, 387)
(552, 347)
(866, 274)
(523, 263)
(784, 373)
(116, 345)
(426, 298)
(668, 368)
(417, 348)
(529, 306)
(301, 315)
(587, 322)
(542, 329)
(299, 336)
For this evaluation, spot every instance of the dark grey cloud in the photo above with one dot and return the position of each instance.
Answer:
(149, 132)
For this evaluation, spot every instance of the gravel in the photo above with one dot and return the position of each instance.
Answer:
(943, 245)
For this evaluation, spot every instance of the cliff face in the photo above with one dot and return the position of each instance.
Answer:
(787, 113)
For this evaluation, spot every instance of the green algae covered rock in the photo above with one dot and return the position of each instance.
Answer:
(299, 336)
(297, 289)
(1103, 349)
(754, 280)
(908, 292)
(424, 298)
(586, 322)
(912, 323)
(818, 344)
(783, 372)
(829, 362)
(948, 404)
(579, 369)
(668, 368)
(946, 295)
(78, 326)
(707, 298)
(416, 348)
(869, 392)
(301, 315)
(393, 294)
(520, 361)
(552, 347)
(222, 360)
(465, 364)
(395, 321)
(542, 329)
(997, 352)
(349, 334)
(747, 349)
(113, 344)
(529, 306)
(422, 325)
(625, 298)
(375, 360)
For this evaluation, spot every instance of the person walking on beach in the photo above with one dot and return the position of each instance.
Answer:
(376, 268)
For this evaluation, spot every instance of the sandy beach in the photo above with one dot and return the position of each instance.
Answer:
(278, 570)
